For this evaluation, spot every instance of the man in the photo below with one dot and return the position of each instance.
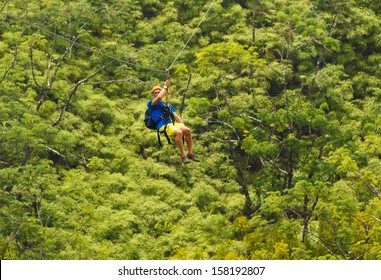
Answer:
(174, 130)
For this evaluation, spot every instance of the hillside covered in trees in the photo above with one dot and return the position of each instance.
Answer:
(283, 98)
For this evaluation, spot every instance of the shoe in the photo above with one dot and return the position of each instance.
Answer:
(193, 157)
(185, 160)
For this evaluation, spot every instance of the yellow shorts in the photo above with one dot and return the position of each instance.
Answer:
(171, 128)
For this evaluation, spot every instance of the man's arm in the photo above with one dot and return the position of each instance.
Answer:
(177, 118)
(161, 94)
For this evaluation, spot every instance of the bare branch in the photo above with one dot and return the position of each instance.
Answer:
(4, 5)
(32, 66)
(319, 43)
(13, 59)
(225, 140)
(58, 65)
(322, 241)
(374, 217)
(276, 167)
(73, 92)
(56, 152)
(249, 117)
(226, 124)
(49, 81)
(12, 64)
(74, 41)
(183, 92)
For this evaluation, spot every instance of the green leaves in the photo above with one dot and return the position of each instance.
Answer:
(282, 99)
(228, 57)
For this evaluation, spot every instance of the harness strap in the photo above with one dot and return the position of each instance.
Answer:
(158, 139)
(167, 117)
(166, 135)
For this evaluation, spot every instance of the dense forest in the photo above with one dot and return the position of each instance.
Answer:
(283, 98)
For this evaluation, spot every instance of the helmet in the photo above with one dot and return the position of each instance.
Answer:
(155, 88)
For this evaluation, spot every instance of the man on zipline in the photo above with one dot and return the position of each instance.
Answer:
(175, 129)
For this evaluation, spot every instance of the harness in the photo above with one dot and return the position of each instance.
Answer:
(167, 114)
(168, 117)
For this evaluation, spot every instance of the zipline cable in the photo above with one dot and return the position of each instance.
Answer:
(112, 57)
(83, 46)
(185, 45)
(167, 75)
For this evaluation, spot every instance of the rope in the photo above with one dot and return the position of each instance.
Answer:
(83, 46)
(167, 77)
(112, 57)
(185, 45)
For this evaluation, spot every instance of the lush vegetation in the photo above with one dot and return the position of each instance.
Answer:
(283, 98)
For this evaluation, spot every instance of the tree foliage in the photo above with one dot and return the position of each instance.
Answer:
(283, 98)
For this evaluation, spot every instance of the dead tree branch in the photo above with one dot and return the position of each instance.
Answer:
(183, 92)
(45, 89)
(14, 58)
(4, 5)
(73, 92)
(228, 125)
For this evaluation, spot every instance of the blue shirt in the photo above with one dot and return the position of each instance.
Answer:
(157, 113)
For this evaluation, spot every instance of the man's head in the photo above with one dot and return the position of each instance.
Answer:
(155, 89)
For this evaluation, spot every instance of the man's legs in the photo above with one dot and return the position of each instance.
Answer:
(178, 131)
(179, 140)
(188, 138)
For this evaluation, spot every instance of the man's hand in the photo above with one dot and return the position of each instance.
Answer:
(167, 83)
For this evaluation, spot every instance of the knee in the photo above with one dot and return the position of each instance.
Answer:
(178, 133)
(186, 130)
